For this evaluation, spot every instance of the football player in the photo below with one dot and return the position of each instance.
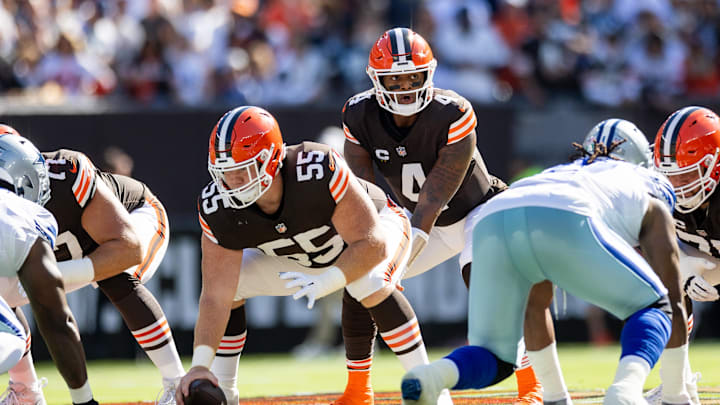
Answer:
(27, 235)
(687, 147)
(112, 231)
(575, 225)
(423, 140)
(629, 144)
(298, 210)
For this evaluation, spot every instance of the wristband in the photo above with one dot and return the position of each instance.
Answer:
(419, 232)
(333, 279)
(79, 271)
(203, 356)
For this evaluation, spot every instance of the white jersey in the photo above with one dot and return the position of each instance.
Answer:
(22, 222)
(616, 192)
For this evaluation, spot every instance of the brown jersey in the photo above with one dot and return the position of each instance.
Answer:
(701, 228)
(314, 179)
(73, 180)
(406, 156)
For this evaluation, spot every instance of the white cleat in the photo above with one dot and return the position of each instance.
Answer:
(21, 394)
(167, 395)
(619, 395)
(654, 396)
(420, 386)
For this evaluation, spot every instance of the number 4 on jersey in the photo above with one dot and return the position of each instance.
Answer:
(413, 173)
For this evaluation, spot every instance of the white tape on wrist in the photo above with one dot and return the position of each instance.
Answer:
(419, 232)
(79, 271)
(203, 356)
(332, 280)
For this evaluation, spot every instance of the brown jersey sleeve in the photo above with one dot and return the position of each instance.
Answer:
(72, 173)
(353, 116)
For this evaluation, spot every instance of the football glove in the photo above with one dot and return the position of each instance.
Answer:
(692, 281)
(699, 289)
(314, 287)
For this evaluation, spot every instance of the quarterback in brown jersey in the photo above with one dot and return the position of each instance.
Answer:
(687, 151)
(112, 231)
(423, 141)
(291, 220)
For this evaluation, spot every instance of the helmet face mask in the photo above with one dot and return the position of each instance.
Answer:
(244, 182)
(246, 153)
(401, 51)
(24, 168)
(687, 148)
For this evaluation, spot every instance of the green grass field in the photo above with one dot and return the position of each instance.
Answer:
(584, 367)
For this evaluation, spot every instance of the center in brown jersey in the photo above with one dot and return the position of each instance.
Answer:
(73, 180)
(301, 229)
(405, 159)
(701, 228)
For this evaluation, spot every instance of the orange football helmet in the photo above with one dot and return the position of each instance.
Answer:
(687, 147)
(401, 51)
(7, 129)
(246, 150)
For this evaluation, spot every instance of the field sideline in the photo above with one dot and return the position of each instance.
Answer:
(585, 368)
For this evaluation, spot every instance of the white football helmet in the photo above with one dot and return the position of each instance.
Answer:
(635, 149)
(23, 169)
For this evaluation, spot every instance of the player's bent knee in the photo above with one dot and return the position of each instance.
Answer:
(478, 367)
(378, 296)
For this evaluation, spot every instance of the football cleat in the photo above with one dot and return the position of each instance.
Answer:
(21, 394)
(420, 386)
(167, 395)
(654, 396)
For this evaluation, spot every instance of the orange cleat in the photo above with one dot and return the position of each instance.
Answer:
(358, 390)
(529, 388)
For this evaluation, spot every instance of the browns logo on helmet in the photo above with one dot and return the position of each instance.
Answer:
(401, 51)
(246, 146)
(687, 147)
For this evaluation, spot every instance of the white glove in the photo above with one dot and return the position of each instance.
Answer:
(699, 289)
(419, 240)
(691, 277)
(314, 287)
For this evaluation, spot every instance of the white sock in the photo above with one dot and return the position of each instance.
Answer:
(674, 369)
(546, 364)
(447, 371)
(166, 359)
(226, 369)
(82, 394)
(631, 374)
(414, 358)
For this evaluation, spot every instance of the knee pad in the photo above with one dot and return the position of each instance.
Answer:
(118, 286)
(479, 367)
(645, 334)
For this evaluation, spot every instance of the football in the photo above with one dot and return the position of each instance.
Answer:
(203, 392)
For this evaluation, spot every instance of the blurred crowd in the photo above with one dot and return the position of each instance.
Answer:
(290, 52)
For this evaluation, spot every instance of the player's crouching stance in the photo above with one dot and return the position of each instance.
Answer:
(292, 220)
(27, 234)
(574, 225)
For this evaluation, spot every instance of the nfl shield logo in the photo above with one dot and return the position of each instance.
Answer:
(281, 228)
(401, 151)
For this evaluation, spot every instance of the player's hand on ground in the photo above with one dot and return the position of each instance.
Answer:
(193, 374)
(312, 286)
(699, 289)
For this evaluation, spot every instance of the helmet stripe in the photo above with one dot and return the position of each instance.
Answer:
(598, 138)
(400, 44)
(223, 137)
(668, 140)
(611, 133)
